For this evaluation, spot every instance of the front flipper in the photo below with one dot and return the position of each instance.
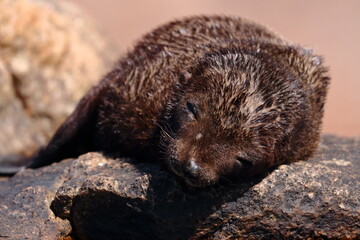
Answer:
(9, 171)
(11, 164)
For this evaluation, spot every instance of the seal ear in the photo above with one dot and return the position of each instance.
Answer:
(75, 135)
(185, 76)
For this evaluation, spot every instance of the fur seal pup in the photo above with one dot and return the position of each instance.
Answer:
(213, 95)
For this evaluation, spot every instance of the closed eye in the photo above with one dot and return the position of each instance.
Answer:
(244, 162)
(192, 111)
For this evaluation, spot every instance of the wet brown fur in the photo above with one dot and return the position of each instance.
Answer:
(223, 92)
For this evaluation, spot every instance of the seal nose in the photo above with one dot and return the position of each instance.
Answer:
(193, 168)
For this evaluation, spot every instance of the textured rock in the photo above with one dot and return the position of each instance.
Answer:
(50, 54)
(316, 199)
(25, 205)
(105, 198)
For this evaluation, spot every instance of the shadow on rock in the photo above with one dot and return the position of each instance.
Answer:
(106, 198)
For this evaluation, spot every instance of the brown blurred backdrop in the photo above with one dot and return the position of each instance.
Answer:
(331, 27)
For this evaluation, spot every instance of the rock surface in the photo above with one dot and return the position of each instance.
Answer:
(50, 55)
(25, 205)
(103, 198)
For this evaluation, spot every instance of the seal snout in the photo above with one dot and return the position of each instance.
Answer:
(189, 169)
(193, 173)
(192, 168)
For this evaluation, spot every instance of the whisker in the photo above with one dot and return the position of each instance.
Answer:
(168, 128)
(227, 180)
(166, 136)
(163, 153)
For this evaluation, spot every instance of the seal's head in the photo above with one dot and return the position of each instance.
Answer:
(231, 113)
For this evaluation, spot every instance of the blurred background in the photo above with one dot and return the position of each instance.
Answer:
(330, 27)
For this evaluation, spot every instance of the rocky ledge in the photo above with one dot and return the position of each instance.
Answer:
(98, 197)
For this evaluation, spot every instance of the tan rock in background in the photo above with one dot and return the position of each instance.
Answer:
(50, 55)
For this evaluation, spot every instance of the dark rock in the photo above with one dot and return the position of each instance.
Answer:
(50, 55)
(105, 198)
(317, 199)
(25, 204)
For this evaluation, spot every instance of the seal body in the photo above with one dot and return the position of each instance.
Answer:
(212, 95)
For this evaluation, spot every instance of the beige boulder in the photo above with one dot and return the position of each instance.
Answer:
(50, 55)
